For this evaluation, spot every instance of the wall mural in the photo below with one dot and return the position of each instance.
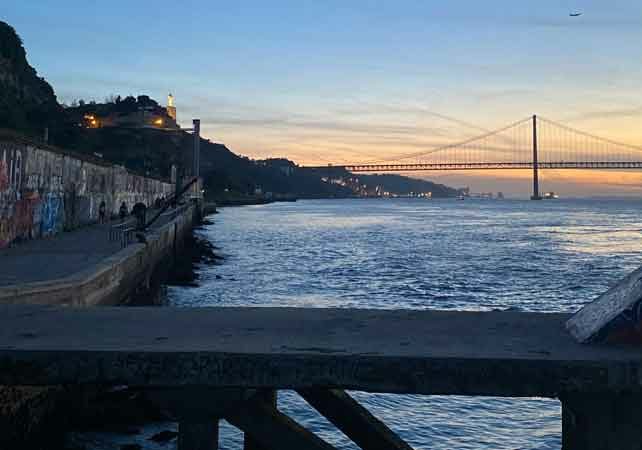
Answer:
(43, 192)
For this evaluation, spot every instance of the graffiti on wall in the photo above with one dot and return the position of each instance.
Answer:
(11, 206)
(51, 214)
(43, 192)
(4, 173)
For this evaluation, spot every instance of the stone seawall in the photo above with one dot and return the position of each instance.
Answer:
(45, 190)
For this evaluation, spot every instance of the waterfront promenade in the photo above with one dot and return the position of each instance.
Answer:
(62, 255)
(56, 257)
(91, 266)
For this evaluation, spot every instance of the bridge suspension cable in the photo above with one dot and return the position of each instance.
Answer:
(467, 142)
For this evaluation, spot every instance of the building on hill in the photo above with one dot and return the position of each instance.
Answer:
(140, 112)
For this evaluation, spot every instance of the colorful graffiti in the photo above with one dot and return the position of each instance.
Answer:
(4, 175)
(43, 192)
(51, 217)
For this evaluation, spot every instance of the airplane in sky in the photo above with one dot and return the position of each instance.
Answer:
(578, 14)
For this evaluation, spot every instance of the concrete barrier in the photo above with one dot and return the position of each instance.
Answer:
(204, 364)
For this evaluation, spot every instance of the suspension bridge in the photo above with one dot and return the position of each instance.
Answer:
(533, 143)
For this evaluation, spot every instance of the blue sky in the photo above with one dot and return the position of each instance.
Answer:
(338, 80)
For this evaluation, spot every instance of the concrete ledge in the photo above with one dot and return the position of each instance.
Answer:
(492, 353)
(110, 281)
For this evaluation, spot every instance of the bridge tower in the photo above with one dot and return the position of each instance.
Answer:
(536, 195)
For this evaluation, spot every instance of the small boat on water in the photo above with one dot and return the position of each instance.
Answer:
(461, 197)
(550, 196)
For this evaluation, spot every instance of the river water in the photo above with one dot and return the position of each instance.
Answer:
(423, 254)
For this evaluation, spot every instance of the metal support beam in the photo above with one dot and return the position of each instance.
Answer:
(198, 435)
(273, 429)
(356, 422)
(269, 398)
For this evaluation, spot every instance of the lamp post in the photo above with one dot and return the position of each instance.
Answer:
(196, 167)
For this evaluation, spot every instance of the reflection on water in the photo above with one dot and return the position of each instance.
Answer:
(472, 255)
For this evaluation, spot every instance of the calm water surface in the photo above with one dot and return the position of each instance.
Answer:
(419, 254)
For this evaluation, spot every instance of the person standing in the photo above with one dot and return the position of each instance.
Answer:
(139, 211)
(122, 212)
(101, 212)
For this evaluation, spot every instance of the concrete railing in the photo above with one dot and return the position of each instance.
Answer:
(204, 364)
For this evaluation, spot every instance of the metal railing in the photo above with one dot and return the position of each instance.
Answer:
(122, 232)
(125, 232)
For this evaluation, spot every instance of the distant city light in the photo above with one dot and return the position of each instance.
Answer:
(158, 121)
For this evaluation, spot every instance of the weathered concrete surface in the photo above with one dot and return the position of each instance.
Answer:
(45, 190)
(615, 316)
(492, 353)
(98, 271)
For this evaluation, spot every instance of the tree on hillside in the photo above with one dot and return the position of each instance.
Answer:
(11, 46)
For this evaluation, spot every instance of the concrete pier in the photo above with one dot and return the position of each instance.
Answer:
(214, 359)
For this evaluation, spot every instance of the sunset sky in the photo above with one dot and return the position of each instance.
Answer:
(350, 81)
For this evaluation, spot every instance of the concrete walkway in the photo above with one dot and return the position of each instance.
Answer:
(62, 255)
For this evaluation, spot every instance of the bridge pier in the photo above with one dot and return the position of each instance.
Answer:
(536, 195)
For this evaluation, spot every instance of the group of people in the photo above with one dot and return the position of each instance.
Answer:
(139, 211)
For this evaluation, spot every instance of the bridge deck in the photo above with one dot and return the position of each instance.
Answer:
(427, 352)
(488, 165)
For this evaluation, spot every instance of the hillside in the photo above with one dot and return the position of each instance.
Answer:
(27, 101)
